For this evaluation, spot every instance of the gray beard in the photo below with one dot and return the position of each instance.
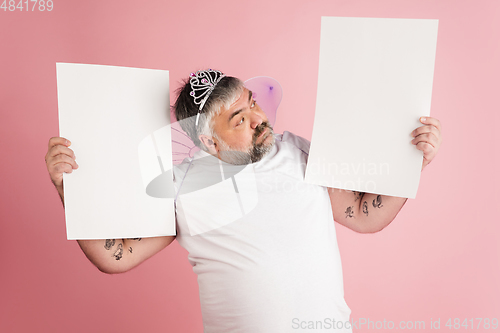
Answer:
(253, 154)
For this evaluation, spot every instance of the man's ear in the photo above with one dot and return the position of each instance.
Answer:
(208, 141)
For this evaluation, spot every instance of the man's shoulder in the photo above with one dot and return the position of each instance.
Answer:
(296, 141)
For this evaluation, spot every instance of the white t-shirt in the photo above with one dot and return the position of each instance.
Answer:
(262, 242)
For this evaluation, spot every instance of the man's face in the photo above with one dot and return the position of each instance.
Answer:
(242, 132)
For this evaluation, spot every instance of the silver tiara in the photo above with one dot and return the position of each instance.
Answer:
(202, 85)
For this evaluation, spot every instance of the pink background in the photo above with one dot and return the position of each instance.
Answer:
(439, 259)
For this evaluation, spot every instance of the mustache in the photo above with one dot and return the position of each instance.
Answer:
(261, 128)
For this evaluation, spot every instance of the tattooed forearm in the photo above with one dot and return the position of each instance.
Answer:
(349, 212)
(365, 208)
(119, 252)
(377, 203)
(109, 244)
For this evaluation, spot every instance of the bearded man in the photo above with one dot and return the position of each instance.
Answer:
(260, 239)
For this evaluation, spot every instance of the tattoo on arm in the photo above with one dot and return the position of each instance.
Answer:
(349, 212)
(358, 195)
(130, 249)
(137, 239)
(377, 203)
(119, 252)
(365, 208)
(109, 244)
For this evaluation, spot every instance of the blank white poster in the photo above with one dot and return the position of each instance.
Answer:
(115, 117)
(374, 83)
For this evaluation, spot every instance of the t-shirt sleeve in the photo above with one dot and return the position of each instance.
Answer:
(299, 142)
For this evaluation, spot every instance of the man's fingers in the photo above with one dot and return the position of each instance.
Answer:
(59, 159)
(431, 121)
(64, 159)
(61, 168)
(58, 141)
(426, 147)
(428, 151)
(58, 146)
(59, 149)
(59, 165)
(426, 129)
(428, 138)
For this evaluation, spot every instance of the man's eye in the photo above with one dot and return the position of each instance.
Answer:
(252, 105)
(240, 122)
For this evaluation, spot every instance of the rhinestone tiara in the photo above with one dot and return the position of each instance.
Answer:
(202, 85)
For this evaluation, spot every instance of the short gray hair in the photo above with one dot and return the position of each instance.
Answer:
(225, 93)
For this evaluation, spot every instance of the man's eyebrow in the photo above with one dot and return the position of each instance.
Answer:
(235, 113)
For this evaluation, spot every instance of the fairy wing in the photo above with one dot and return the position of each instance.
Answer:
(182, 145)
(267, 93)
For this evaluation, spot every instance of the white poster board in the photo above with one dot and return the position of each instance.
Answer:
(115, 117)
(374, 83)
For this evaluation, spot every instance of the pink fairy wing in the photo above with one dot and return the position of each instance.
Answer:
(267, 92)
(182, 145)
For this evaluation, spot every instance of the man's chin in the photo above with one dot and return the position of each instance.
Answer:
(262, 149)
(255, 153)
(235, 157)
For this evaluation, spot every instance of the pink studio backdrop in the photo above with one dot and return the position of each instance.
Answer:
(439, 259)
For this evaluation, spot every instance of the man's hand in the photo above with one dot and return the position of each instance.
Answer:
(367, 212)
(110, 255)
(60, 159)
(428, 138)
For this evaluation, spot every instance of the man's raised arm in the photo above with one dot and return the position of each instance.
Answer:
(110, 255)
(368, 212)
(364, 212)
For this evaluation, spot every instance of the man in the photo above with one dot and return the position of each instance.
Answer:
(267, 262)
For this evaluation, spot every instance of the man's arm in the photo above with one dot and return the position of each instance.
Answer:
(120, 255)
(110, 255)
(364, 212)
(368, 212)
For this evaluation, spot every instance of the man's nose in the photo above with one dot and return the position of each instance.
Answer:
(256, 119)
